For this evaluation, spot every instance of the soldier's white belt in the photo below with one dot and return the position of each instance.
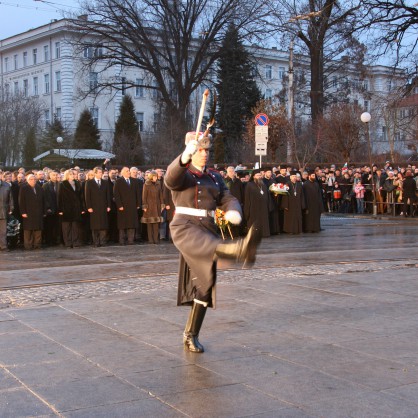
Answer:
(194, 212)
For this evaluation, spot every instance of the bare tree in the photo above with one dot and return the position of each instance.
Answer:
(18, 115)
(174, 43)
(340, 130)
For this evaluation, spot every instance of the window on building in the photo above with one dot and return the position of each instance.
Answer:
(389, 85)
(334, 81)
(57, 80)
(95, 115)
(282, 73)
(268, 94)
(7, 89)
(155, 90)
(355, 102)
(46, 84)
(268, 72)
(156, 123)
(25, 88)
(6, 64)
(58, 113)
(46, 53)
(123, 86)
(15, 61)
(16, 87)
(35, 86)
(57, 50)
(35, 56)
(384, 133)
(93, 81)
(254, 70)
(47, 117)
(140, 120)
(25, 59)
(366, 85)
(92, 51)
(139, 88)
(366, 105)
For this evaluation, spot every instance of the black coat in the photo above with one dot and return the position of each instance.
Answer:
(256, 207)
(97, 198)
(51, 197)
(32, 204)
(70, 202)
(314, 206)
(293, 206)
(409, 187)
(129, 198)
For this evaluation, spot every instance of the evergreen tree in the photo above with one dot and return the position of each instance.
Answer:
(237, 92)
(29, 148)
(49, 138)
(127, 143)
(87, 135)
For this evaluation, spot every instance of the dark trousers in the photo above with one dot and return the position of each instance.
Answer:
(32, 239)
(153, 232)
(71, 234)
(3, 234)
(52, 230)
(126, 236)
(99, 236)
(113, 227)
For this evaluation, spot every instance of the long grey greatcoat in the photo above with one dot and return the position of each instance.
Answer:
(196, 237)
(32, 204)
(153, 202)
(97, 198)
(129, 197)
(314, 205)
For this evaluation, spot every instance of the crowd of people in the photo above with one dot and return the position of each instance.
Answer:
(105, 205)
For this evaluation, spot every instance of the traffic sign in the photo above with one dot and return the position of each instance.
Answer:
(261, 133)
(261, 148)
(261, 119)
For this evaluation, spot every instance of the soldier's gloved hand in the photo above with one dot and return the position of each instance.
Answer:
(233, 216)
(191, 148)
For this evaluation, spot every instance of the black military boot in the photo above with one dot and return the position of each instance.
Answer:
(243, 250)
(194, 323)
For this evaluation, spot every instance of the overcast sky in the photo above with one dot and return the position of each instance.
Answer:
(18, 16)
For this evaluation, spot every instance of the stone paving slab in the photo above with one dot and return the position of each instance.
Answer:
(329, 336)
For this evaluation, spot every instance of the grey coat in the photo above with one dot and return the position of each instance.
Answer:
(6, 200)
(197, 238)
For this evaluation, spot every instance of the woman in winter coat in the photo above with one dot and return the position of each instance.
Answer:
(409, 194)
(152, 206)
(70, 209)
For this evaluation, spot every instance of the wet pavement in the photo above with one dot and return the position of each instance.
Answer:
(324, 325)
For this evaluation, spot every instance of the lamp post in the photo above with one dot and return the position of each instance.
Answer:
(365, 118)
(59, 142)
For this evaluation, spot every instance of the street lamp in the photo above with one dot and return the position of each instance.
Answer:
(365, 118)
(59, 142)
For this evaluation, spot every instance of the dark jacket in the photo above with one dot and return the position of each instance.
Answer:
(32, 204)
(97, 198)
(6, 200)
(51, 197)
(129, 198)
(70, 201)
(409, 187)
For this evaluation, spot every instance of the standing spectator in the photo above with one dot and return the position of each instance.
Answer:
(359, 190)
(6, 209)
(273, 202)
(336, 197)
(52, 220)
(293, 203)
(409, 194)
(256, 204)
(236, 188)
(128, 201)
(71, 209)
(169, 208)
(380, 194)
(152, 207)
(31, 204)
(138, 183)
(281, 178)
(314, 204)
(40, 177)
(389, 186)
(112, 215)
(97, 196)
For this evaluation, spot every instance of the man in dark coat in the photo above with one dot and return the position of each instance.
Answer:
(293, 203)
(112, 215)
(128, 201)
(97, 196)
(273, 202)
(31, 204)
(6, 208)
(236, 188)
(256, 206)
(197, 191)
(281, 178)
(409, 187)
(52, 220)
(314, 204)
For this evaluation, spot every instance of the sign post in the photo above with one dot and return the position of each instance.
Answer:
(261, 134)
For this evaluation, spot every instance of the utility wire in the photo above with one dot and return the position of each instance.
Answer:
(21, 6)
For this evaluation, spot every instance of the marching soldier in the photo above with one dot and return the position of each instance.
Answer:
(197, 191)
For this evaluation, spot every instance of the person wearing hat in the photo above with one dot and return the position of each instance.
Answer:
(273, 214)
(314, 203)
(257, 203)
(293, 203)
(197, 192)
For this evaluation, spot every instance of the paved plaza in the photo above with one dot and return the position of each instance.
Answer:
(324, 325)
